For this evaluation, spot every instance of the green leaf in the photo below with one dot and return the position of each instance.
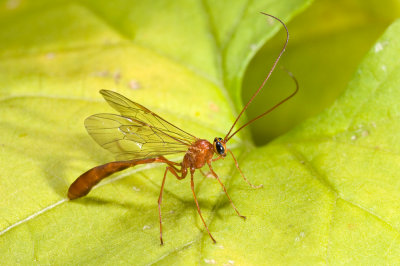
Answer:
(328, 42)
(181, 59)
(330, 186)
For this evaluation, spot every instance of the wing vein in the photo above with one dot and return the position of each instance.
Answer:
(137, 132)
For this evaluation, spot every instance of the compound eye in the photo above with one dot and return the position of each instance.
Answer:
(220, 148)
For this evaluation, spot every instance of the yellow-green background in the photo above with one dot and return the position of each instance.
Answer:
(328, 41)
(331, 184)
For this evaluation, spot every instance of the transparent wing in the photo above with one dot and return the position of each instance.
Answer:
(132, 110)
(137, 132)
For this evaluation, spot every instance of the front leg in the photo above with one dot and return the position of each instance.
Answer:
(245, 179)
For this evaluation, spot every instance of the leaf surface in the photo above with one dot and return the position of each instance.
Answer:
(330, 186)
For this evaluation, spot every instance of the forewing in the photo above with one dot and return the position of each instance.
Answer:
(130, 139)
(135, 111)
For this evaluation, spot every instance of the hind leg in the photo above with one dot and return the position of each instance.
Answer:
(174, 171)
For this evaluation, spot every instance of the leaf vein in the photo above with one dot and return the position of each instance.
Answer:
(331, 187)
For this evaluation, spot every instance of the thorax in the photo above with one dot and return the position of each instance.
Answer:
(198, 154)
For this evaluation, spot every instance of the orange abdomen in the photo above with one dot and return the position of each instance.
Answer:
(89, 179)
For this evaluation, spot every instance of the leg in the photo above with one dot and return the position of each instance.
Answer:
(223, 187)
(198, 207)
(207, 175)
(218, 158)
(159, 202)
(173, 171)
(245, 179)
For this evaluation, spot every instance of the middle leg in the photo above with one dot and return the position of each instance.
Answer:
(197, 204)
(223, 187)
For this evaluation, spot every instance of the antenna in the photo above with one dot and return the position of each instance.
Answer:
(228, 137)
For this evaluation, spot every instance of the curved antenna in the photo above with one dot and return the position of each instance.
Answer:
(227, 137)
(272, 108)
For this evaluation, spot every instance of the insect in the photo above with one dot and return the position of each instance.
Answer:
(140, 136)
